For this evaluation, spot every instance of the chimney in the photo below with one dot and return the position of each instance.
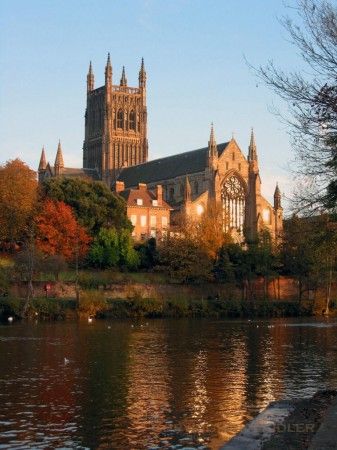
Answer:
(142, 186)
(159, 194)
(119, 186)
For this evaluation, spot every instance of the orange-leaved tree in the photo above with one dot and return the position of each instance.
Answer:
(58, 232)
(18, 196)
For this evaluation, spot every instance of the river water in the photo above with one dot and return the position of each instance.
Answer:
(155, 384)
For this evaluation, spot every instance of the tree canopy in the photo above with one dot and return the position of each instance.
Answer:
(58, 232)
(93, 203)
(18, 196)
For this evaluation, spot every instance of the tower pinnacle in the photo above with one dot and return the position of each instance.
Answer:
(123, 79)
(59, 163)
(277, 197)
(252, 152)
(90, 79)
(43, 162)
(108, 71)
(142, 75)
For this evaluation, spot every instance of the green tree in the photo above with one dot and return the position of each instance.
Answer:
(128, 257)
(112, 248)
(93, 203)
(148, 253)
(184, 260)
(104, 252)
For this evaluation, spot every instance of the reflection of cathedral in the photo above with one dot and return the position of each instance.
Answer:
(116, 149)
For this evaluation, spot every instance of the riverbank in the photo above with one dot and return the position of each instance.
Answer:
(95, 304)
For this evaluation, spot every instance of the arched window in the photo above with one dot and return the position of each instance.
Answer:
(196, 187)
(233, 202)
(120, 118)
(132, 120)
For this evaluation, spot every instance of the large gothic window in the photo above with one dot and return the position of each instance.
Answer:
(120, 118)
(233, 202)
(132, 120)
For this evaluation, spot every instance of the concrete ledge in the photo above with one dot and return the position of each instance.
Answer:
(326, 436)
(259, 430)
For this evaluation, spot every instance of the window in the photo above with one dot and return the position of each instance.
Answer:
(233, 156)
(233, 203)
(139, 201)
(133, 219)
(132, 120)
(143, 221)
(153, 233)
(240, 166)
(164, 222)
(227, 165)
(154, 202)
(153, 221)
(171, 193)
(196, 187)
(120, 118)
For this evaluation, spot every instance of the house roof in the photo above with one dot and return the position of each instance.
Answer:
(131, 196)
(169, 167)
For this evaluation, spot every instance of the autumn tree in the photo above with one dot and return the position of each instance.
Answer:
(207, 229)
(93, 203)
(59, 233)
(18, 196)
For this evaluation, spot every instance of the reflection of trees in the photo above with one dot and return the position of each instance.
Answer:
(104, 373)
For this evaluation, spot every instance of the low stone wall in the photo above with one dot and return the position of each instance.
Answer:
(282, 288)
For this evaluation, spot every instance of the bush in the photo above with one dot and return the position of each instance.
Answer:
(92, 303)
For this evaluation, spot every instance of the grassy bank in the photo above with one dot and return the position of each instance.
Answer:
(93, 303)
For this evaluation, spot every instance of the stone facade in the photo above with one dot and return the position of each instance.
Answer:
(115, 124)
(220, 174)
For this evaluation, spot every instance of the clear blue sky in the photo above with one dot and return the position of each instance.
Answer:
(194, 56)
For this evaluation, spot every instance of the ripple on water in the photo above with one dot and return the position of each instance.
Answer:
(173, 383)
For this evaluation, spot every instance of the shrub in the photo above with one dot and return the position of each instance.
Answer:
(91, 303)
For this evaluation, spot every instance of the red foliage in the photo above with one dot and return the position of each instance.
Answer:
(59, 233)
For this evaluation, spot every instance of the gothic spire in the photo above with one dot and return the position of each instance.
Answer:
(188, 191)
(43, 162)
(90, 79)
(212, 149)
(123, 79)
(142, 75)
(59, 163)
(108, 70)
(277, 197)
(252, 152)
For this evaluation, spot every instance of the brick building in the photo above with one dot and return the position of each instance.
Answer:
(146, 209)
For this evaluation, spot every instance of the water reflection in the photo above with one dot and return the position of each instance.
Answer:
(137, 386)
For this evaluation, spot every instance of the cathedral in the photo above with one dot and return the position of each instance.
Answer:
(115, 150)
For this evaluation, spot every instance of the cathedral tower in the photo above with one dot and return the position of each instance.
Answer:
(115, 124)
